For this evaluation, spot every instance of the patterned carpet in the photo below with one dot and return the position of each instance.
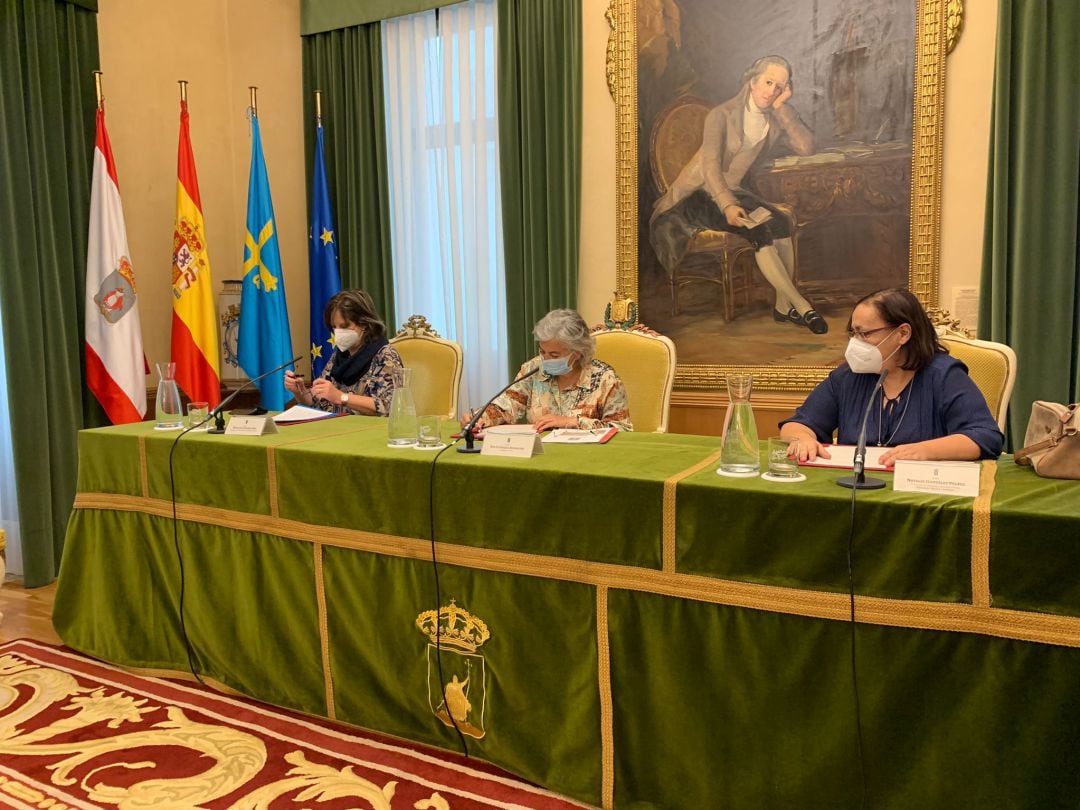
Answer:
(76, 733)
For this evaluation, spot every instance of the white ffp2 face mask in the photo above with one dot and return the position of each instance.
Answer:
(345, 339)
(865, 358)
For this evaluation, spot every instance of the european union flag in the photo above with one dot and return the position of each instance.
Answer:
(322, 260)
(263, 341)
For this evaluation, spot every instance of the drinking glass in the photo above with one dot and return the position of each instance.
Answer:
(428, 433)
(780, 466)
(197, 413)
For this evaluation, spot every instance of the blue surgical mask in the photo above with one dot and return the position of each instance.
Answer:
(556, 366)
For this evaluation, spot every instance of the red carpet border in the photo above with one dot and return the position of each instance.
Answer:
(77, 733)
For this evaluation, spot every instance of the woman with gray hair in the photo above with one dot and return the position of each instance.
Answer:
(568, 387)
(711, 192)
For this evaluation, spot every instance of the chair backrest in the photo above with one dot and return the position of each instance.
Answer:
(436, 367)
(992, 367)
(645, 361)
(675, 137)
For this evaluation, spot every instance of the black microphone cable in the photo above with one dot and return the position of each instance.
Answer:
(188, 647)
(438, 597)
(854, 669)
(857, 479)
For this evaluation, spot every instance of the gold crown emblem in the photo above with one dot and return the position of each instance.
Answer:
(454, 627)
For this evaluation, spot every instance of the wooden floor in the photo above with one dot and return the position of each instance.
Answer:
(27, 612)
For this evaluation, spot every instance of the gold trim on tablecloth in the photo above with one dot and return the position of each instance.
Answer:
(980, 536)
(144, 474)
(324, 632)
(607, 711)
(670, 484)
(271, 480)
(1044, 628)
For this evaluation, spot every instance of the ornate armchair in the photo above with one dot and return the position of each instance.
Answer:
(436, 367)
(713, 256)
(645, 361)
(992, 367)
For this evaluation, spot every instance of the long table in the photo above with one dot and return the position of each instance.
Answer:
(618, 623)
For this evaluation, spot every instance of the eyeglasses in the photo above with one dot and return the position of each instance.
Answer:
(859, 334)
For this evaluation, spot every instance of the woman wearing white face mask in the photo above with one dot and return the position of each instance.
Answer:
(361, 375)
(928, 407)
(571, 389)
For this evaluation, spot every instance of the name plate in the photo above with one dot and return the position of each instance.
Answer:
(512, 445)
(250, 425)
(959, 478)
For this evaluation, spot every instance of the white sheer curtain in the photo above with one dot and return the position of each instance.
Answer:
(9, 508)
(445, 204)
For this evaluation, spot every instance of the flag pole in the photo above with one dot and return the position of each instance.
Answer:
(254, 104)
(318, 108)
(183, 90)
(97, 90)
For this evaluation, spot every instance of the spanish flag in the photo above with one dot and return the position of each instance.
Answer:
(194, 324)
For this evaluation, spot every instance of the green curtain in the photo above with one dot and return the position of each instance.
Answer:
(48, 50)
(539, 95)
(1031, 256)
(317, 16)
(346, 66)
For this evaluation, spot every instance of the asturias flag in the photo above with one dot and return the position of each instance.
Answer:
(263, 342)
(322, 261)
(194, 322)
(115, 364)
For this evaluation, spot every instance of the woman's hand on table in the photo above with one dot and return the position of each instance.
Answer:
(801, 449)
(550, 421)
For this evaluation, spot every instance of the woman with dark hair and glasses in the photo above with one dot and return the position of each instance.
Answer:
(928, 407)
(361, 375)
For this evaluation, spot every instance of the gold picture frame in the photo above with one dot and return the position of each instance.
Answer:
(937, 24)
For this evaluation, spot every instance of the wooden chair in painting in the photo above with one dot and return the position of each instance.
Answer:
(713, 257)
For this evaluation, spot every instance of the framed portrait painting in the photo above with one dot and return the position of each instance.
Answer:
(777, 161)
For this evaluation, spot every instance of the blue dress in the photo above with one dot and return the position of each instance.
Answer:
(939, 401)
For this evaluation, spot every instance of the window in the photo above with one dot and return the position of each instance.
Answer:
(445, 202)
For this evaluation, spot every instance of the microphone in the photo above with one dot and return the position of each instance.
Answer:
(859, 480)
(467, 433)
(218, 413)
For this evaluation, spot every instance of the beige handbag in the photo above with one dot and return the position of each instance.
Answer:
(1052, 440)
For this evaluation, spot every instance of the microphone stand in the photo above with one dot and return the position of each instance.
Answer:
(467, 432)
(859, 480)
(218, 413)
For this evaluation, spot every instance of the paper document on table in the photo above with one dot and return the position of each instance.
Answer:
(843, 457)
(301, 413)
(756, 217)
(575, 436)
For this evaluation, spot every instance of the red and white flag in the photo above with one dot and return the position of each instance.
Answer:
(115, 364)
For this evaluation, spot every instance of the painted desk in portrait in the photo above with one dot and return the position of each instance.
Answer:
(618, 623)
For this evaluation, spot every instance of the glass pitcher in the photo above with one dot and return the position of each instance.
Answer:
(401, 430)
(739, 451)
(169, 413)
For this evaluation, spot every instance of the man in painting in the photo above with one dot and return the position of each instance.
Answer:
(709, 194)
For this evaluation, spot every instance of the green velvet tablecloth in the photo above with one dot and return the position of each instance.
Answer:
(620, 623)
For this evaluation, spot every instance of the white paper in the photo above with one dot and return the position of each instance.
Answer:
(301, 413)
(576, 436)
(843, 458)
(756, 217)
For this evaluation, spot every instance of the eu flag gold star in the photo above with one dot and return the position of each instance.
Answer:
(316, 351)
(327, 236)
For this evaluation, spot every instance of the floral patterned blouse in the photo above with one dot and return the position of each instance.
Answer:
(378, 382)
(598, 399)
